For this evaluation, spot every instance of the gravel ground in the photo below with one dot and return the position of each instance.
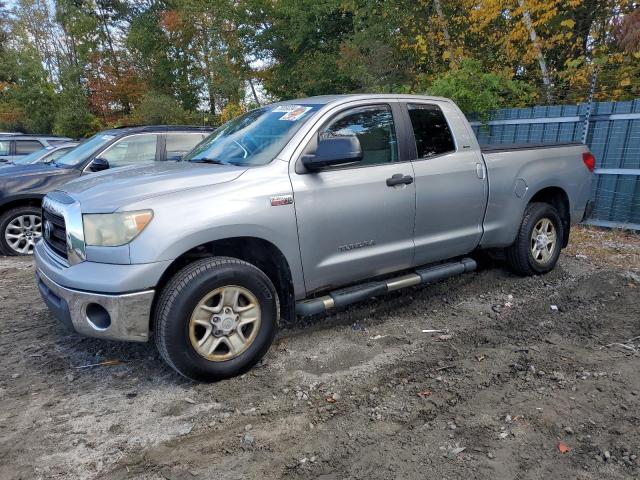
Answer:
(522, 369)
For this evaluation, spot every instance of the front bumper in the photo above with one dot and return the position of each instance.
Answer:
(114, 317)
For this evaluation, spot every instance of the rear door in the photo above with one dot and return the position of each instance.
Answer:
(351, 224)
(450, 182)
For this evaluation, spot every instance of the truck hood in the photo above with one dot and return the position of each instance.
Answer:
(110, 190)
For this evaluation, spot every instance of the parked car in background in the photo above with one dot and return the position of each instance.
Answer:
(298, 207)
(23, 186)
(45, 155)
(14, 146)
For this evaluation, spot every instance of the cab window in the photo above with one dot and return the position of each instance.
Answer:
(430, 130)
(374, 127)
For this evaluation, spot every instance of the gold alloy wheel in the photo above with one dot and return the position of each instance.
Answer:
(225, 323)
(543, 241)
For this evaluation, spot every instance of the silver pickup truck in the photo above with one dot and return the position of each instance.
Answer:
(294, 209)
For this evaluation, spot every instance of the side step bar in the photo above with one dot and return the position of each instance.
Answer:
(357, 293)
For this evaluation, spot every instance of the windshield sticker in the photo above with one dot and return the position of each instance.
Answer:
(293, 112)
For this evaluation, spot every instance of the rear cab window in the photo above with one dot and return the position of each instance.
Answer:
(5, 147)
(430, 130)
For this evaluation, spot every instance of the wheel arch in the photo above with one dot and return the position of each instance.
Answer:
(556, 197)
(259, 252)
(30, 201)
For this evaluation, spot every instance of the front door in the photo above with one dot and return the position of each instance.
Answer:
(351, 224)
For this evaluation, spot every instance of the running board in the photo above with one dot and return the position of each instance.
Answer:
(357, 293)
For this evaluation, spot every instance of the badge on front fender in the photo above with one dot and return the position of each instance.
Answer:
(278, 200)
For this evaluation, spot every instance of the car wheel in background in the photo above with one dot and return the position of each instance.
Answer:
(216, 318)
(537, 247)
(20, 228)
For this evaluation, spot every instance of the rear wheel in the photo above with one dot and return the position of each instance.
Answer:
(20, 228)
(216, 318)
(539, 241)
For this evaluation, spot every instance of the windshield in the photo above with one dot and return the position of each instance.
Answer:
(83, 151)
(32, 157)
(254, 138)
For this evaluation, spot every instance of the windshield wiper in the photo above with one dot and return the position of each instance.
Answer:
(213, 161)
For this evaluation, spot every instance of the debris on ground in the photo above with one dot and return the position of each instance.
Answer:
(563, 448)
(100, 364)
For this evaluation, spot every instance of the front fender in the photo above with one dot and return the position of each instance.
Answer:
(241, 208)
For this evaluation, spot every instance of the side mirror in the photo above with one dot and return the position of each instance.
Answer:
(176, 157)
(99, 164)
(334, 151)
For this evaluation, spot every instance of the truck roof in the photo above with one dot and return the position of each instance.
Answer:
(326, 99)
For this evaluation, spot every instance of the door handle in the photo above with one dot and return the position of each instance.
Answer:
(399, 179)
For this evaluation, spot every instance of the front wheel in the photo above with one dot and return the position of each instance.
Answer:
(20, 228)
(537, 247)
(216, 318)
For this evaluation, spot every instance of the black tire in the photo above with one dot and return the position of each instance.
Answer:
(519, 255)
(6, 218)
(180, 297)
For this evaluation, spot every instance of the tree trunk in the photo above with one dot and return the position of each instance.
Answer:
(546, 80)
(253, 90)
(445, 30)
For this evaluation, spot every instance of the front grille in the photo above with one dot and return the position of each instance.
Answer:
(55, 232)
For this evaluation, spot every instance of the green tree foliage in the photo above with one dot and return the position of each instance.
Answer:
(27, 99)
(161, 109)
(479, 92)
(74, 66)
(73, 117)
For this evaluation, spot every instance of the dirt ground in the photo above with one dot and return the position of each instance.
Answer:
(524, 368)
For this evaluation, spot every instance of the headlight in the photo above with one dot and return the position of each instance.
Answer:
(114, 229)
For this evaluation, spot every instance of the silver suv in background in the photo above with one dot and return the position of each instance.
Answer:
(45, 155)
(14, 146)
(297, 208)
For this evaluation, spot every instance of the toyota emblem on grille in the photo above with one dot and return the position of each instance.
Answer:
(48, 226)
